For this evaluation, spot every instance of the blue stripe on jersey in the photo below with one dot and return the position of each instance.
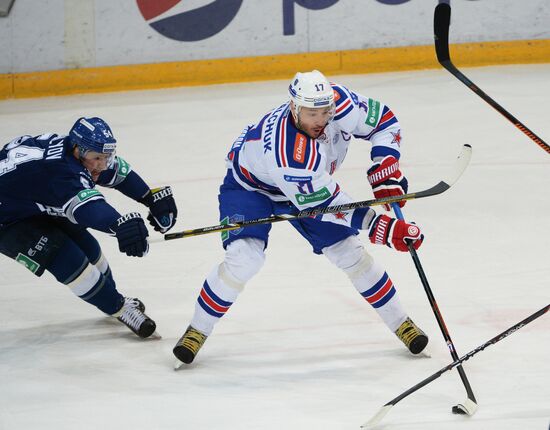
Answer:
(252, 180)
(278, 142)
(358, 217)
(255, 133)
(383, 151)
(297, 141)
(318, 161)
(343, 96)
(344, 112)
(385, 124)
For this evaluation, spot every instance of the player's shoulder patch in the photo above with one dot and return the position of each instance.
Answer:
(296, 149)
(122, 167)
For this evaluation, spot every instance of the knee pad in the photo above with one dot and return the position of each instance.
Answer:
(350, 256)
(243, 259)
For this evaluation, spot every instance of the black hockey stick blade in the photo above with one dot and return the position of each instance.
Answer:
(460, 165)
(375, 420)
(442, 21)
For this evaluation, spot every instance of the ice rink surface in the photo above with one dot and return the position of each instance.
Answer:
(300, 349)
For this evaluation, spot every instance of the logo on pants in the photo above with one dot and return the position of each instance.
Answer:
(233, 219)
(28, 262)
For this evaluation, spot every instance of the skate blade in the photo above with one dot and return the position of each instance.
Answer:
(178, 364)
(425, 354)
(155, 336)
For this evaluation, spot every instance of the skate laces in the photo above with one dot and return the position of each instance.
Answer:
(408, 331)
(192, 340)
(132, 315)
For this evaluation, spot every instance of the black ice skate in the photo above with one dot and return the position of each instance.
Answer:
(132, 315)
(413, 338)
(189, 344)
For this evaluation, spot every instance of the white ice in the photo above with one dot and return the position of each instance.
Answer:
(300, 349)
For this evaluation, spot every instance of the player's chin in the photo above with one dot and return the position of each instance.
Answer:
(315, 133)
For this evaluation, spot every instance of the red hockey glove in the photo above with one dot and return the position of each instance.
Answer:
(387, 180)
(385, 230)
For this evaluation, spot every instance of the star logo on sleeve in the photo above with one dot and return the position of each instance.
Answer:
(341, 215)
(396, 137)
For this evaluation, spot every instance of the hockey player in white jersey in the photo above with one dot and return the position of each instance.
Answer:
(283, 164)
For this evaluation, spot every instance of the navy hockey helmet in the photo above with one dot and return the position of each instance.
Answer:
(93, 134)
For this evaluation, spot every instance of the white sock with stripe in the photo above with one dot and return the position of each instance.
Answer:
(214, 300)
(377, 288)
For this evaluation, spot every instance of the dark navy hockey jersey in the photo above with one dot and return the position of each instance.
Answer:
(40, 175)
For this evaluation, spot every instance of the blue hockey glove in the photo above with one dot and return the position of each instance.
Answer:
(162, 208)
(131, 234)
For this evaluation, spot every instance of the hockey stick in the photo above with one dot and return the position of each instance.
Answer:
(460, 164)
(384, 409)
(442, 20)
(469, 407)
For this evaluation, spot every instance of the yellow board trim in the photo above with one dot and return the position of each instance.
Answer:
(205, 72)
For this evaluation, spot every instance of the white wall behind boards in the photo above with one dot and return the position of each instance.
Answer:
(58, 34)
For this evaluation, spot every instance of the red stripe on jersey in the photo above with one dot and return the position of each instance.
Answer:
(208, 300)
(389, 115)
(380, 293)
(247, 174)
(343, 106)
(282, 144)
(312, 155)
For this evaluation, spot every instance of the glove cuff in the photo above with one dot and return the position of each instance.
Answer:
(382, 171)
(147, 199)
(127, 217)
(155, 194)
(380, 231)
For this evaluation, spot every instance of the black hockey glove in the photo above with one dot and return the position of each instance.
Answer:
(162, 208)
(131, 234)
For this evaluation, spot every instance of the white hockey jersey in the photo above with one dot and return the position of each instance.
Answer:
(275, 158)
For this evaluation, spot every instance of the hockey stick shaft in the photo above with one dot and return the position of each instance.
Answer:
(376, 418)
(435, 309)
(460, 164)
(442, 20)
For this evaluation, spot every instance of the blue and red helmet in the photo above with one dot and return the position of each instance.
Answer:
(93, 134)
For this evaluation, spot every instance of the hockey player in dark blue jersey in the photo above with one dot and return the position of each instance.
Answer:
(49, 199)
